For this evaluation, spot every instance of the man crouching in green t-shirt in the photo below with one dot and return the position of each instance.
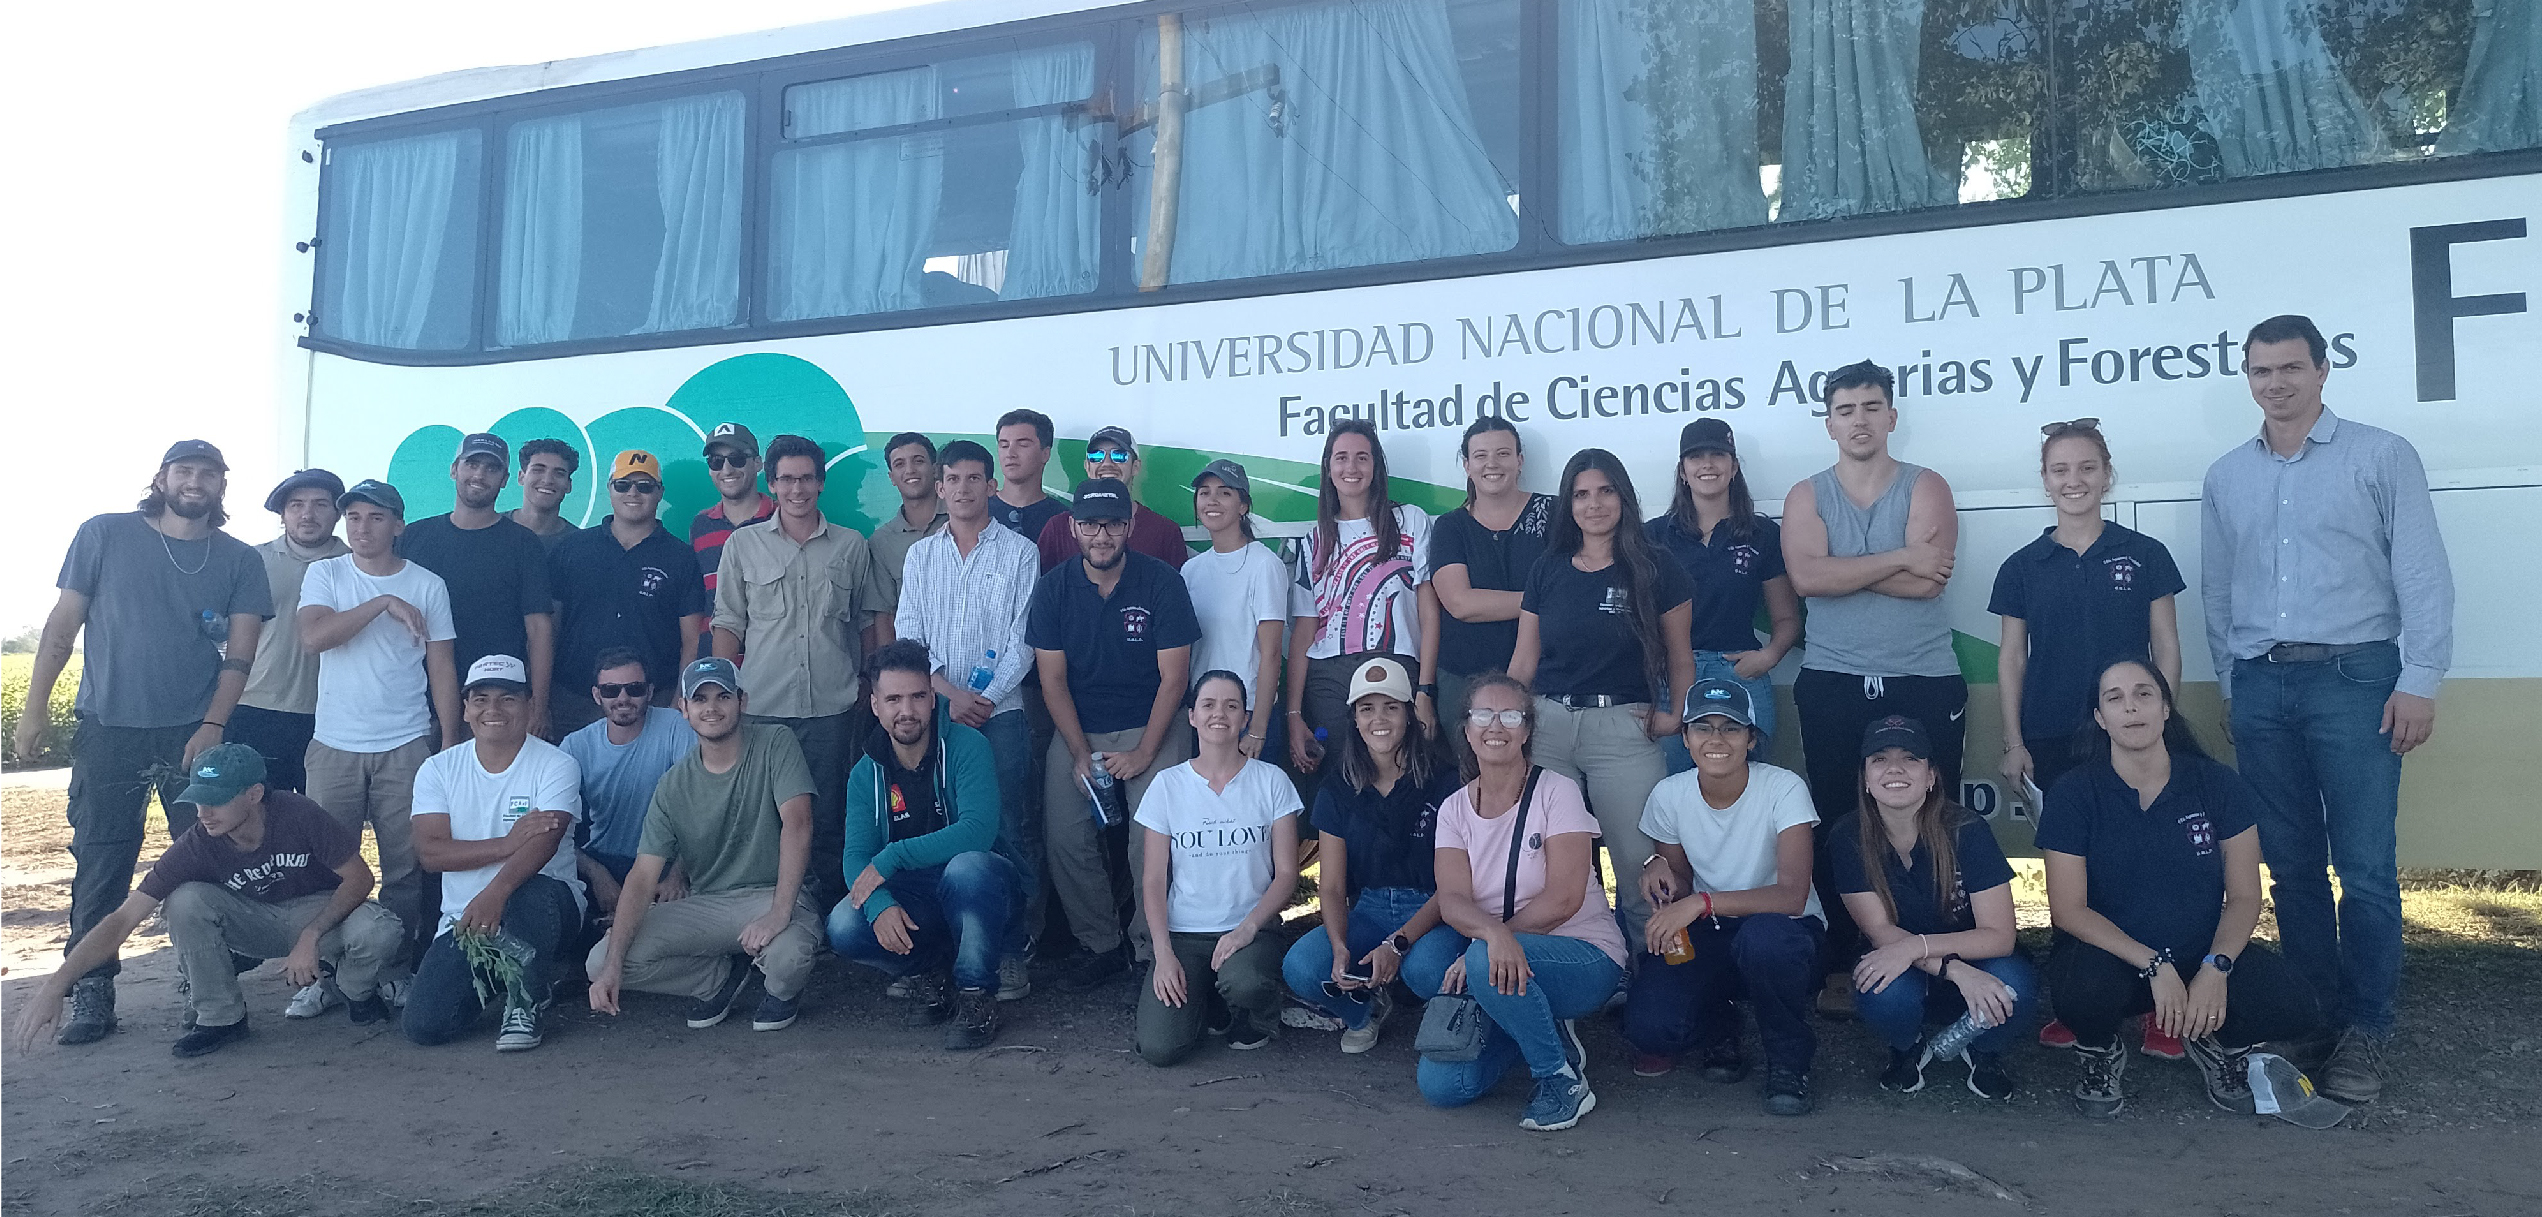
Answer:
(737, 814)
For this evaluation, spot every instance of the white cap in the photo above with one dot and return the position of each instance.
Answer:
(1379, 676)
(503, 668)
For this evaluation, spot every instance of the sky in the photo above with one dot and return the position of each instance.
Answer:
(144, 266)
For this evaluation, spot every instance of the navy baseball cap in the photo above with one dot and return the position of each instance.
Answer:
(194, 450)
(485, 443)
(733, 435)
(1101, 499)
(1897, 731)
(371, 490)
(712, 670)
(1707, 435)
(1720, 699)
(306, 478)
(222, 773)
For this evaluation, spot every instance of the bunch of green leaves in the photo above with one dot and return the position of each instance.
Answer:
(491, 968)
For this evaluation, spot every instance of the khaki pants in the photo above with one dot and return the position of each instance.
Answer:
(1074, 844)
(1606, 751)
(682, 946)
(209, 923)
(378, 789)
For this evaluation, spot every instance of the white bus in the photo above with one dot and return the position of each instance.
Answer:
(1222, 224)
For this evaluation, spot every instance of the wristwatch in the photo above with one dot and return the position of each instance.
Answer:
(1401, 944)
(2222, 963)
(1432, 690)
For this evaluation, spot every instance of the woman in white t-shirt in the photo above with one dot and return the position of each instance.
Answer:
(1240, 592)
(1220, 861)
(1367, 567)
(1545, 950)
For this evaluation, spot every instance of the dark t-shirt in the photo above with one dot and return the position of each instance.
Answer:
(1028, 522)
(613, 596)
(1730, 573)
(1912, 887)
(913, 809)
(158, 617)
(1386, 838)
(2156, 872)
(1112, 643)
(2083, 611)
(1493, 562)
(1584, 626)
(302, 847)
(497, 576)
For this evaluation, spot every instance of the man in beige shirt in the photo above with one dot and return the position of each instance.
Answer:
(279, 708)
(909, 459)
(799, 594)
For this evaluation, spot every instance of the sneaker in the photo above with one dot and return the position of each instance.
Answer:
(1836, 998)
(1574, 1052)
(520, 1029)
(2227, 1072)
(974, 1022)
(1095, 969)
(364, 1011)
(1310, 1020)
(1359, 1039)
(900, 987)
(1245, 1033)
(92, 1016)
(1653, 1065)
(1559, 1102)
(1623, 992)
(2101, 1092)
(933, 1001)
(2056, 1035)
(393, 989)
(1014, 978)
(314, 1000)
(774, 1013)
(712, 1009)
(2354, 1072)
(1987, 1077)
(204, 1040)
(1787, 1091)
(1905, 1073)
(2160, 1046)
(1724, 1063)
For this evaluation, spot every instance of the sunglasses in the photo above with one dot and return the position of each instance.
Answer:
(636, 486)
(726, 460)
(2053, 430)
(1108, 456)
(1512, 719)
(633, 688)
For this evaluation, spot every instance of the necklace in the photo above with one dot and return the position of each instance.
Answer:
(170, 550)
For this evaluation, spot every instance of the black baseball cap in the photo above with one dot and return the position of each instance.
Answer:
(1101, 499)
(1723, 699)
(370, 490)
(194, 450)
(733, 435)
(1707, 435)
(320, 478)
(1226, 471)
(1897, 731)
(486, 443)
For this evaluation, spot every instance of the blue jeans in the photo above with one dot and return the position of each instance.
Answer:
(1378, 912)
(442, 1003)
(1571, 978)
(962, 911)
(2309, 739)
(1899, 1013)
(1019, 821)
(1716, 665)
(1773, 959)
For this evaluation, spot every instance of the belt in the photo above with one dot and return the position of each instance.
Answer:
(2310, 652)
(1590, 701)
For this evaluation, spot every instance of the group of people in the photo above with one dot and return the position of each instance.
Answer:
(1004, 726)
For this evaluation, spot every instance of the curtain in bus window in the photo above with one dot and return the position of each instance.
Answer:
(1051, 248)
(1329, 135)
(2500, 106)
(1658, 118)
(2273, 97)
(540, 277)
(697, 278)
(852, 221)
(390, 202)
(1851, 144)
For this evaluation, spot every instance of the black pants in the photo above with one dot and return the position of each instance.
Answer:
(1835, 709)
(112, 772)
(2094, 991)
(279, 736)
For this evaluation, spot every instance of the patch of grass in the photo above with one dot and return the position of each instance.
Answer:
(601, 1189)
(16, 673)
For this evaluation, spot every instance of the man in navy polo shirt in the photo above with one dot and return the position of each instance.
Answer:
(627, 584)
(1112, 634)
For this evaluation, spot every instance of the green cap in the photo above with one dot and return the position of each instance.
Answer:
(222, 773)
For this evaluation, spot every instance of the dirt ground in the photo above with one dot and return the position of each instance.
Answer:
(846, 1113)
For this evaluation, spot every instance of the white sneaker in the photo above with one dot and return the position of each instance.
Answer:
(1308, 1020)
(900, 987)
(520, 1030)
(316, 999)
(1356, 1040)
(393, 990)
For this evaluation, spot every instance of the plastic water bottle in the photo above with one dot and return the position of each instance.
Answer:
(1105, 790)
(1954, 1040)
(984, 671)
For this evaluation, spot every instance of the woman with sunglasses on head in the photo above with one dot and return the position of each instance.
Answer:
(1480, 554)
(1514, 877)
(1111, 453)
(1376, 880)
(1367, 569)
(1604, 625)
(1735, 556)
(2153, 863)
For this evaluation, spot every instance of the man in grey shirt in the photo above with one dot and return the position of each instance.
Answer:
(279, 709)
(2330, 616)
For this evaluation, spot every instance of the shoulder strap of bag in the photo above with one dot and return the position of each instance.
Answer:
(1517, 842)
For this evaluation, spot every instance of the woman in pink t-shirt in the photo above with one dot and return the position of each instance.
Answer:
(1545, 950)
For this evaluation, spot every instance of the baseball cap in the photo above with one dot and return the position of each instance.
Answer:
(712, 670)
(1897, 731)
(202, 450)
(635, 461)
(1722, 699)
(1379, 676)
(486, 443)
(2279, 1089)
(1707, 435)
(733, 435)
(1226, 471)
(497, 670)
(320, 478)
(370, 490)
(221, 773)
(1101, 499)
(1112, 435)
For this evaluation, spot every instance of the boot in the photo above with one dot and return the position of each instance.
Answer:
(92, 1011)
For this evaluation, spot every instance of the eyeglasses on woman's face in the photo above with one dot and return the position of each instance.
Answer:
(1484, 716)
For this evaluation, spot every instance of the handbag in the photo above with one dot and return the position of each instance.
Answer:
(1453, 1025)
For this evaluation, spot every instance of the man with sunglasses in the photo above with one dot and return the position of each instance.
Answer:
(623, 757)
(1113, 456)
(909, 459)
(495, 569)
(628, 583)
(732, 462)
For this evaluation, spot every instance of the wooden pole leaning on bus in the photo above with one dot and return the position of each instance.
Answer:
(1165, 186)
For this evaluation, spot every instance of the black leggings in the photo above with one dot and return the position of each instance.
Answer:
(2093, 991)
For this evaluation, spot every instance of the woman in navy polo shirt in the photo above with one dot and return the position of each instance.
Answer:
(2154, 887)
(1936, 906)
(1735, 556)
(1378, 876)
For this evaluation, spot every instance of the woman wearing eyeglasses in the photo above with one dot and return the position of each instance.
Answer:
(1112, 453)
(1376, 884)
(1367, 572)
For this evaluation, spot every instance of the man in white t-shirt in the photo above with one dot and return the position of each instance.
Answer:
(1731, 882)
(495, 817)
(380, 627)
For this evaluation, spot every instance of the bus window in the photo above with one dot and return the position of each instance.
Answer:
(625, 220)
(397, 255)
(1324, 135)
(868, 215)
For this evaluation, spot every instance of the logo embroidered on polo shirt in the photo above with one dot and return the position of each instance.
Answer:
(2122, 571)
(1743, 558)
(649, 580)
(2201, 832)
(1134, 623)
